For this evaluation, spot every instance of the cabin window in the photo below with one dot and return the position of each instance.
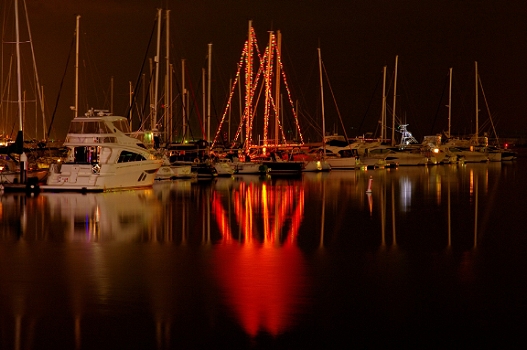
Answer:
(89, 127)
(122, 125)
(127, 156)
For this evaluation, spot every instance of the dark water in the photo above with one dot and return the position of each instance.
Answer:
(434, 257)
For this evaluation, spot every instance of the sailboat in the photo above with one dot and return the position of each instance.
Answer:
(271, 151)
(407, 152)
(15, 173)
(342, 157)
(472, 149)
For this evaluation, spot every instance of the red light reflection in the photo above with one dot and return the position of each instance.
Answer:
(263, 276)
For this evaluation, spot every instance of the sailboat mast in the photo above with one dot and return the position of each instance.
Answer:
(40, 93)
(168, 102)
(183, 101)
(394, 100)
(208, 90)
(450, 102)
(130, 100)
(248, 90)
(477, 101)
(277, 87)
(76, 111)
(383, 108)
(322, 103)
(204, 102)
(18, 70)
(268, 96)
(156, 61)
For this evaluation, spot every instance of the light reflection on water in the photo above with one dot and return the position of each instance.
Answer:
(309, 259)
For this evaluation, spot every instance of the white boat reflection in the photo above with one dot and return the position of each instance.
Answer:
(108, 216)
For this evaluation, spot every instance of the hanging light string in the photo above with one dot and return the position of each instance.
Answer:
(265, 69)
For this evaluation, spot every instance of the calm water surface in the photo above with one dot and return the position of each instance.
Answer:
(434, 257)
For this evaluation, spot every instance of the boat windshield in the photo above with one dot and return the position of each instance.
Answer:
(122, 125)
(89, 127)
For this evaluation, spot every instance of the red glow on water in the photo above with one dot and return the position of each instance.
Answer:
(261, 272)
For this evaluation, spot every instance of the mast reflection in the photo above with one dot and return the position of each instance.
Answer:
(261, 270)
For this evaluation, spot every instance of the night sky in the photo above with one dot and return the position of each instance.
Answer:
(357, 38)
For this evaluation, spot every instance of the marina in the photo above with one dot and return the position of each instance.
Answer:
(195, 176)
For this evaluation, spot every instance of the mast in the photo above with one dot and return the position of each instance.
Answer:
(204, 100)
(76, 110)
(19, 73)
(248, 90)
(156, 61)
(450, 102)
(477, 102)
(208, 90)
(40, 93)
(268, 96)
(394, 100)
(183, 100)
(229, 119)
(322, 102)
(277, 87)
(168, 102)
(130, 100)
(383, 107)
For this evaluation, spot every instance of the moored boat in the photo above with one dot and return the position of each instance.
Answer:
(101, 156)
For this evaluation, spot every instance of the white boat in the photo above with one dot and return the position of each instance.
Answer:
(338, 162)
(224, 166)
(465, 155)
(315, 165)
(498, 154)
(101, 156)
(173, 172)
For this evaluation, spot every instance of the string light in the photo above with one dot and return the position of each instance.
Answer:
(252, 80)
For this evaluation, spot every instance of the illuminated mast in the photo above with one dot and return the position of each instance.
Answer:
(277, 91)
(268, 97)
(248, 90)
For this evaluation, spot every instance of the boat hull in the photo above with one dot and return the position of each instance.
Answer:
(343, 163)
(172, 172)
(88, 178)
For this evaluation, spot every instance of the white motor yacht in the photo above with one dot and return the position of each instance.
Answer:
(101, 156)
